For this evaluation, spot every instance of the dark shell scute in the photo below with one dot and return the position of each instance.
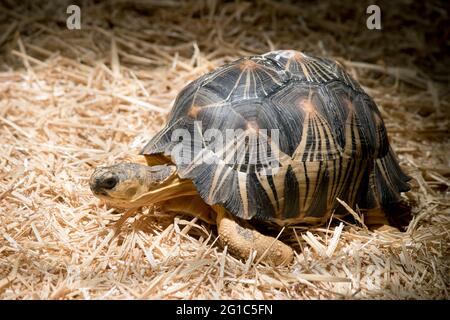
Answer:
(321, 136)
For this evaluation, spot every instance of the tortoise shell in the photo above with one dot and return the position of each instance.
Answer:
(300, 131)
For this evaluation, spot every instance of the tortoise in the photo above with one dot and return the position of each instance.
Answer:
(301, 134)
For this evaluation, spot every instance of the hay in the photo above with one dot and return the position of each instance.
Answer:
(71, 100)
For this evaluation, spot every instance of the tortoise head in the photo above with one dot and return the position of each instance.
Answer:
(125, 184)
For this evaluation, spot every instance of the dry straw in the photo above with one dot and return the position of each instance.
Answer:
(72, 100)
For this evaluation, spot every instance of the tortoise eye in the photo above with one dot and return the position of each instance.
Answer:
(109, 183)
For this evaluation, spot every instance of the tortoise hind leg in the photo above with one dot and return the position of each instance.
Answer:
(394, 216)
(242, 240)
(388, 182)
(376, 219)
(382, 201)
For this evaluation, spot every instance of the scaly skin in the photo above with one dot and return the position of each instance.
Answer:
(129, 185)
(242, 240)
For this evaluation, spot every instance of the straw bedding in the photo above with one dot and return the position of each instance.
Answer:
(74, 99)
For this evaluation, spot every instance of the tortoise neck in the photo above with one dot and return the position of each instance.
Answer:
(164, 184)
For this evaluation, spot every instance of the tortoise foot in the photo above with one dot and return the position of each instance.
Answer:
(242, 241)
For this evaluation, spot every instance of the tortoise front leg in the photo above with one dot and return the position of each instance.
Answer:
(242, 240)
(192, 205)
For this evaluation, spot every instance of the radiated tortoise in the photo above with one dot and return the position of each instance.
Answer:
(277, 138)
